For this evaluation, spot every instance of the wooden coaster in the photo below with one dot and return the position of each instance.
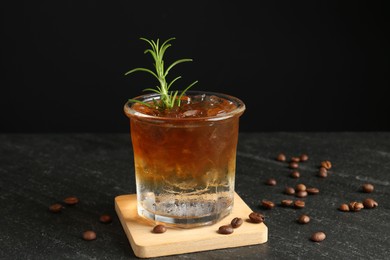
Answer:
(179, 241)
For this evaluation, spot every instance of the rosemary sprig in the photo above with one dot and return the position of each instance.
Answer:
(168, 99)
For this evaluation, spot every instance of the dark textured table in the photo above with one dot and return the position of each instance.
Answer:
(37, 170)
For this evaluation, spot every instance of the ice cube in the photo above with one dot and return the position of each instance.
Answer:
(215, 111)
(145, 110)
(227, 105)
(214, 100)
(198, 98)
(173, 112)
(191, 113)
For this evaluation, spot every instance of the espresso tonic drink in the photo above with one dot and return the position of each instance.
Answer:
(185, 157)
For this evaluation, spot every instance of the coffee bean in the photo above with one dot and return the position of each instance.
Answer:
(271, 182)
(281, 157)
(323, 169)
(293, 165)
(295, 174)
(318, 236)
(367, 188)
(326, 164)
(300, 187)
(158, 229)
(256, 217)
(304, 219)
(89, 235)
(323, 172)
(304, 157)
(356, 206)
(299, 204)
(236, 222)
(225, 230)
(72, 200)
(55, 208)
(289, 190)
(295, 159)
(287, 203)
(267, 204)
(344, 207)
(105, 219)
(312, 191)
(301, 194)
(370, 203)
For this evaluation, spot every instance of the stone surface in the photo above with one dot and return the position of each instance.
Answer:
(38, 170)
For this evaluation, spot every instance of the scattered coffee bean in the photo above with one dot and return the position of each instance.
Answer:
(281, 157)
(158, 229)
(105, 219)
(304, 157)
(267, 204)
(323, 169)
(326, 164)
(312, 191)
(304, 219)
(293, 165)
(72, 200)
(344, 207)
(370, 203)
(89, 235)
(318, 236)
(55, 208)
(287, 203)
(323, 172)
(299, 204)
(300, 187)
(295, 174)
(356, 206)
(301, 194)
(295, 159)
(367, 188)
(289, 190)
(225, 230)
(236, 222)
(271, 182)
(256, 217)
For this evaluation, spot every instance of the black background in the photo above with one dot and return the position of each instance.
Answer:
(298, 66)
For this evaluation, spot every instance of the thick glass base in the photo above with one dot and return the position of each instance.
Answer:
(184, 222)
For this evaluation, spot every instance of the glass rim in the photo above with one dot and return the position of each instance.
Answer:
(238, 111)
